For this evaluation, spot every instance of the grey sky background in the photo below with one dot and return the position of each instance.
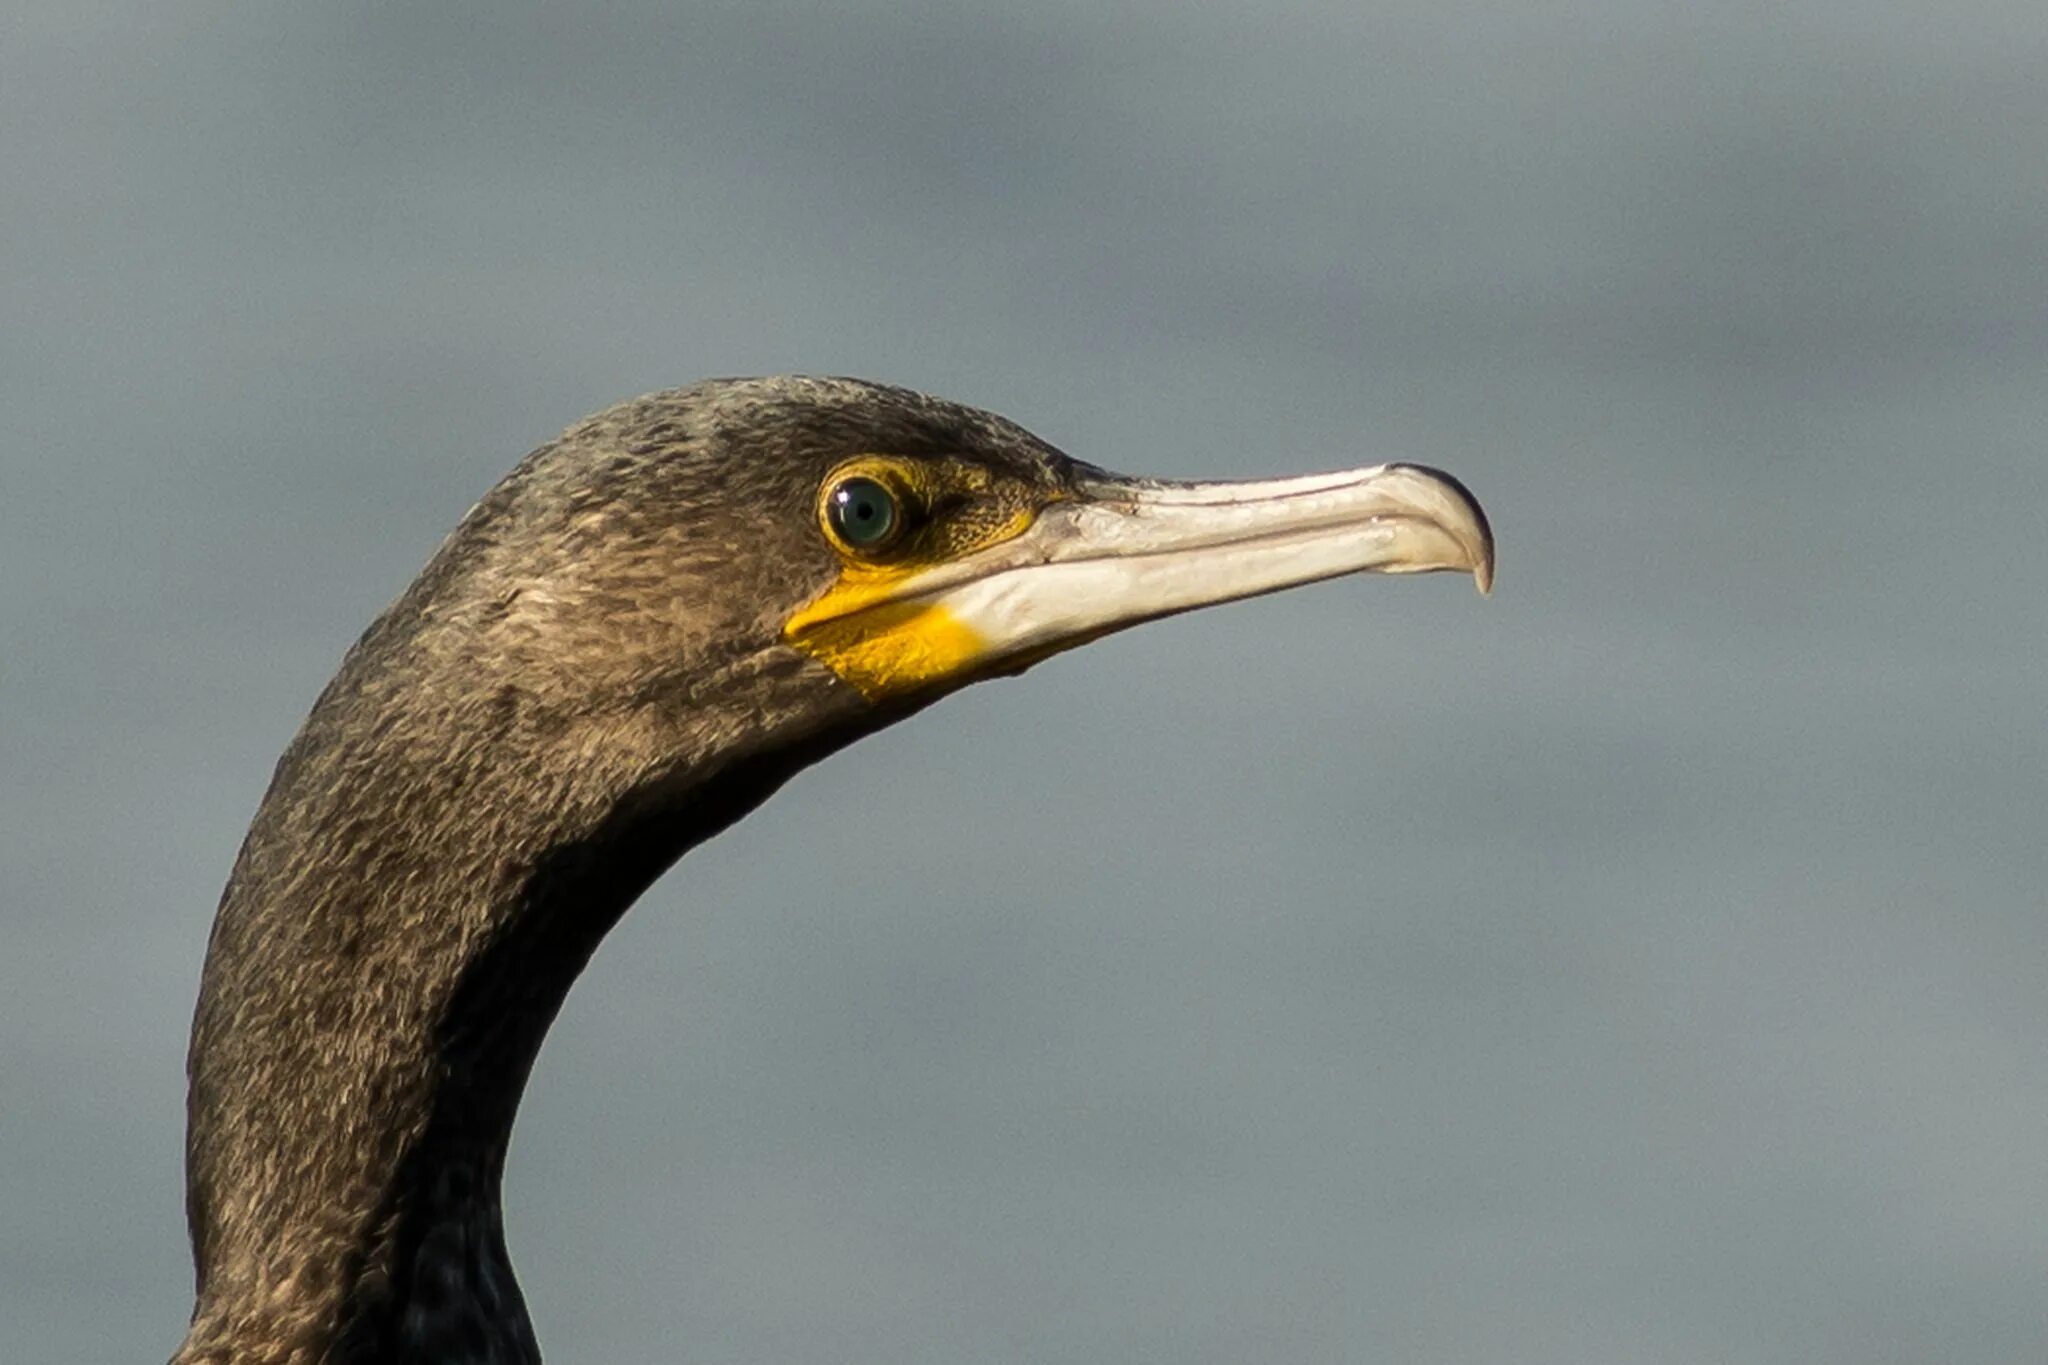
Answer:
(1648, 964)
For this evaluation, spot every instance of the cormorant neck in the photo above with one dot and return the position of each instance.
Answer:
(423, 883)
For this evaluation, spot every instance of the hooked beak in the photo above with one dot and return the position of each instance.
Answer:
(1123, 551)
(1135, 550)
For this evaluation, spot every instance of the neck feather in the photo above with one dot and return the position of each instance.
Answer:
(424, 881)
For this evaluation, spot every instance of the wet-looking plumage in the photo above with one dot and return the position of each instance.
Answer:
(628, 644)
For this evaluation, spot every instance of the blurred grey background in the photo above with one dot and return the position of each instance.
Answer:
(1648, 964)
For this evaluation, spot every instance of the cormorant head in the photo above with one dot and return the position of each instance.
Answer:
(828, 547)
(632, 640)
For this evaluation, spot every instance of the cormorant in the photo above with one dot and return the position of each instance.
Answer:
(634, 639)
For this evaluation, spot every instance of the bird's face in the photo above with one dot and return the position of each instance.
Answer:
(900, 528)
(958, 565)
(898, 547)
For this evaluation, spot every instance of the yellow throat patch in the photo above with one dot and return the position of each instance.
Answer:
(883, 648)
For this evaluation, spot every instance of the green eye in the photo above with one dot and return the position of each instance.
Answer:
(863, 513)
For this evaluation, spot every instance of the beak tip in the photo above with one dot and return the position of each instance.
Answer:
(1473, 531)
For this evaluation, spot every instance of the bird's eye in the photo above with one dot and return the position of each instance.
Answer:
(863, 513)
